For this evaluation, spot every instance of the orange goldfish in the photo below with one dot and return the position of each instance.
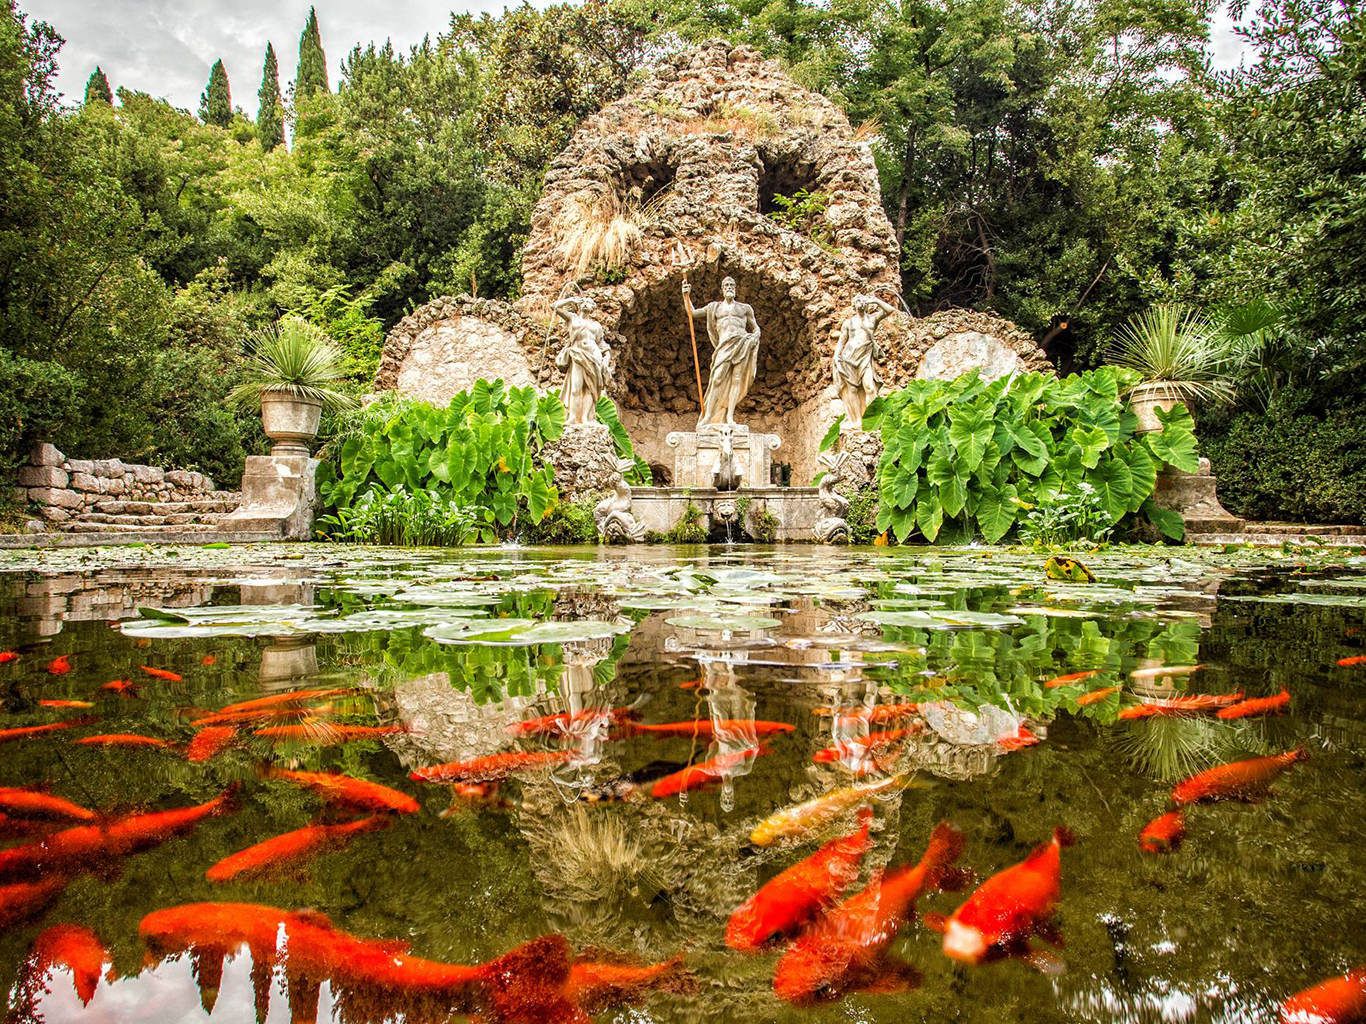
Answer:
(66, 704)
(704, 772)
(28, 803)
(560, 723)
(800, 893)
(259, 715)
(705, 727)
(123, 739)
(208, 659)
(59, 666)
(123, 687)
(208, 742)
(1009, 908)
(161, 673)
(1022, 738)
(597, 986)
(1071, 677)
(326, 732)
(22, 900)
(7, 656)
(75, 947)
(292, 697)
(1163, 834)
(1257, 706)
(861, 746)
(877, 714)
(846, 949)
(489, 767)
(1359, 659)
(290, 848)
(1239, 780)
(347, 791)
(1095, 696)
(1340, 1000)
(24, 731)
(1191, 704)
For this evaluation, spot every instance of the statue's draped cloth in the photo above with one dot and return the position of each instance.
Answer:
(585, 380)
(735, 348)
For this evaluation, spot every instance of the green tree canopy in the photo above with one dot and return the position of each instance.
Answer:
(97, 88)
(311, 76)
(270, 127)
(215, 102)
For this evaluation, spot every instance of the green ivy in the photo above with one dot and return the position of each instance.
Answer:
(478, 452)
(967, 456)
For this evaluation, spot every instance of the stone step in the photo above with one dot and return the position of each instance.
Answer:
(114, 507)
(134, 527)
(176, 519)
(1264, 539)
(1308, 529)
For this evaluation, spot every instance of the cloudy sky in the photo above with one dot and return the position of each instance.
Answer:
(165, 47)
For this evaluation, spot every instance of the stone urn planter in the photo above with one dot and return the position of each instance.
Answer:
(290, 421)
(1145, 399)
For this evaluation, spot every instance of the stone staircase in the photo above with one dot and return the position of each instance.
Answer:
(119, 516)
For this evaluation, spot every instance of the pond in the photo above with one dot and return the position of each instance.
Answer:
(998, 700)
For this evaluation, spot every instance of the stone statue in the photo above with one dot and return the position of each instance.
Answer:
(585, 360)
(612, 515)
(854, 364)
(832, 527)
(727, 476)
(734, 335)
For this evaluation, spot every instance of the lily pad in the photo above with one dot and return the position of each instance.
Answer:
(723, 622)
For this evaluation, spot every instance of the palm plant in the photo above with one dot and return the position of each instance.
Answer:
(295, 359)
(1178, 347)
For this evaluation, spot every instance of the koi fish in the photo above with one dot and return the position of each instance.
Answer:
(347, 791)
(208, 742)
(123, 739)
(1340, 1000)
(1359, 659)
(1159, 671)
(1095, 696)
(560, 723)
(59, 666)
(80, 848)
(25, 731)
(1022, 738)
(74, 947)
(7, 656)
(208, 659)
(463, 794)
(1238, 780)
(861, 746)
(1191, 704)
(803, 818)
(525, 986)
(877, 714)
(22, 900)
(1009, 908)
(709, 729)
(800, 893)
(703, 773)
(597, 986)
(1071, 677)
(846, 949)
(28, 803)
(1163, 834)
(326, 732)
(260, 715)
(66, 704)
(1256, 706)
(489, 767)
(275, 699)
(291, 847)
(123, 687)
(161, 673)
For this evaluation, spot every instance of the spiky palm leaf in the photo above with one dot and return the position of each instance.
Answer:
(296, 358)
(1174, 345)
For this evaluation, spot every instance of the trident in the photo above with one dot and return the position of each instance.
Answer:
(682, 262)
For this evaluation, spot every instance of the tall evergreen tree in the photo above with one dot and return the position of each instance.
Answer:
(215, 102)
(269, 124)
(311, 76)
(97, 88)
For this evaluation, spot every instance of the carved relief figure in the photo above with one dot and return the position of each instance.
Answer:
(833, 528)
(727, 476)
(856, 354)
(734, 335)
(612, 515)
(585, 359)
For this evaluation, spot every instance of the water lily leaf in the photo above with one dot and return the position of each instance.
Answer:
(723, 622)
(161, 616)
(1059, 568)
(560, 632)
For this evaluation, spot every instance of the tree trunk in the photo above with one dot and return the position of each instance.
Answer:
(904, 192)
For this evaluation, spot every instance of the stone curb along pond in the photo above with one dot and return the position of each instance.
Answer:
(681, 784)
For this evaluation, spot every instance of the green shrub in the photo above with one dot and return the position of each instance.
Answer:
(1066, 517)
(688, 529)
(35, 397)
(404, 518)
(1303, 459)
(569, 522)
(862, 515)
(476, 453)
(966, 455)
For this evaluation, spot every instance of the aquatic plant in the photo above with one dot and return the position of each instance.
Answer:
(1066, 517)
(409, 518)
(968, 455)
(294, 358)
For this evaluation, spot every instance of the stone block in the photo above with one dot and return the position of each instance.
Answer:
(115, 485)
(80, 466)
(85, 482)
(147, 474)
(55, 496)
(178, 478)
(45, 454)
(55, 515)
(108, 467)
(43, 476)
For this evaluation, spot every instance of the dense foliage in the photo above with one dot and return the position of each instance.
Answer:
(1066, 164)
(967, 456)
(476, 454)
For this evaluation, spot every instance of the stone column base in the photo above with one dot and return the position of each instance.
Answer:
(279, 493)
(1193, 495)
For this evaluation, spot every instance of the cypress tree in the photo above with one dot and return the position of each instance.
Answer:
(311, 76)
(97, 88)
(269, 124)
(215, 102)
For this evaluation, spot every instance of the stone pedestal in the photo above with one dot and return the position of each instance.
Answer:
(864, 448)
(279, 492)
(697, 455)
(585, 459)
(1193, 495)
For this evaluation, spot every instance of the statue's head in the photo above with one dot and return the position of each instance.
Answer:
(588, 305)
(728, 288)
(861, 303)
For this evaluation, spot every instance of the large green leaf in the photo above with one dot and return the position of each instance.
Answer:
(832, 434)
(550, 413)
(1114, 483)
(996, 512)
(970, 429)
(953, 495)
(1091, 441)
(1175, 443)
(929, 515)
(1142, 469)
(1168, 521)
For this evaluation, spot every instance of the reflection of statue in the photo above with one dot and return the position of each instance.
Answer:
(832, 527)
(612, 516)
(853, 365)
(727, 476)
(734, 335)
(584, 360)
